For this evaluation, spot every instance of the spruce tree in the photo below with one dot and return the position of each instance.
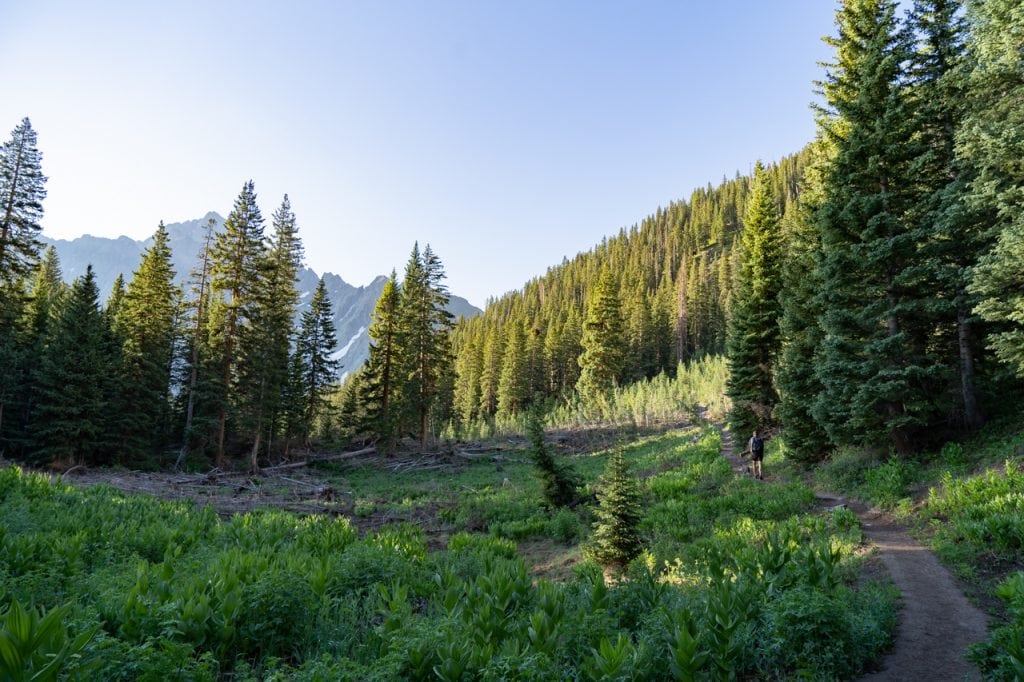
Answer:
(603, 341)
(616, 539)
(198, 309)
(878, 382)
(991, 144)
(236, 265)
(800, 331)
(314, 357)
(264, 341)
(754, 338)
(558, 481)
(145, 321)
(949, 238)
(72, 413)
(490, 372)
(381, 381)
(27, 327)
(22, 190)
(536, 367)
(442, 393)
(514, 382)
(12, 360)
(426, 347)
(469, 365)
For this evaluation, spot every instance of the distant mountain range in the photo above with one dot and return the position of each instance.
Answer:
(353, 306)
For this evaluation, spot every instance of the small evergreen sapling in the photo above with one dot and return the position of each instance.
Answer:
(558, 480)
(616, 539)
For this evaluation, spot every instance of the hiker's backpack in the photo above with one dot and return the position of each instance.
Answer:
(757, 445)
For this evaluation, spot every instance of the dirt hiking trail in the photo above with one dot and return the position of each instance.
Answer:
(936, 622)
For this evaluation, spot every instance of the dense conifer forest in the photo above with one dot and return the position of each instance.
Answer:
(860, 301)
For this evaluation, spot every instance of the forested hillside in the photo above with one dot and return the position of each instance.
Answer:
(866, 290)
(668, 291)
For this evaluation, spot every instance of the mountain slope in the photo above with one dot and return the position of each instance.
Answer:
(353, 306)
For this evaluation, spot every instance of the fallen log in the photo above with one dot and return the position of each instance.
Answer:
(328, 458)
(476, 456)
(216, 473)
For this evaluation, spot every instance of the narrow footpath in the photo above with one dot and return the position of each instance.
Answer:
(936, 621)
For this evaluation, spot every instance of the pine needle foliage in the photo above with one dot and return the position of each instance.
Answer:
(754, 340)
(616, 539)
(558, 480)
(22, 190)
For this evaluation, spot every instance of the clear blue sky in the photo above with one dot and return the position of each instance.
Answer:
(506, 134)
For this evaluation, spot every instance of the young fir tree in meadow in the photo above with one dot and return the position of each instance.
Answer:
(878, 383)
(236, 261)
(264, 341)
(144, 319)
(381, 379)
(754, 338)
(557, 479)
(991, 142)
(22, 190)
(71, 416)
(603, 342)
(314, 358)
(616, 539)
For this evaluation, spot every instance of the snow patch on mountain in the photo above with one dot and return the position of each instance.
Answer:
(342, 352)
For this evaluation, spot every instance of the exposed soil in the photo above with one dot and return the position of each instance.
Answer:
(549, 558)
(937, 623)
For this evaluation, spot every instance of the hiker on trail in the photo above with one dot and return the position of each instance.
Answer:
(756, 449)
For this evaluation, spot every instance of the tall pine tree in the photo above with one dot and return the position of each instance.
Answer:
(754, 327)
(145, 321)
(236, 262)
(72, 414)
(381, 380)
(316, 366)
(514, 383)
(949, 239)
(878, 383)
(264, 341)
(426, 324)
(800, 329)
(992, 143)
(22, 190)
(198, 311)
(603, 341)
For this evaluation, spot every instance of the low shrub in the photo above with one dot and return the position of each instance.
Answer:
(1001, 657)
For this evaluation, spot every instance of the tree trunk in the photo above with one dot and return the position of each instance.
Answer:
(5, 228)
(189, 410)
(194, 378)
(973, 417)
(254, 466)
